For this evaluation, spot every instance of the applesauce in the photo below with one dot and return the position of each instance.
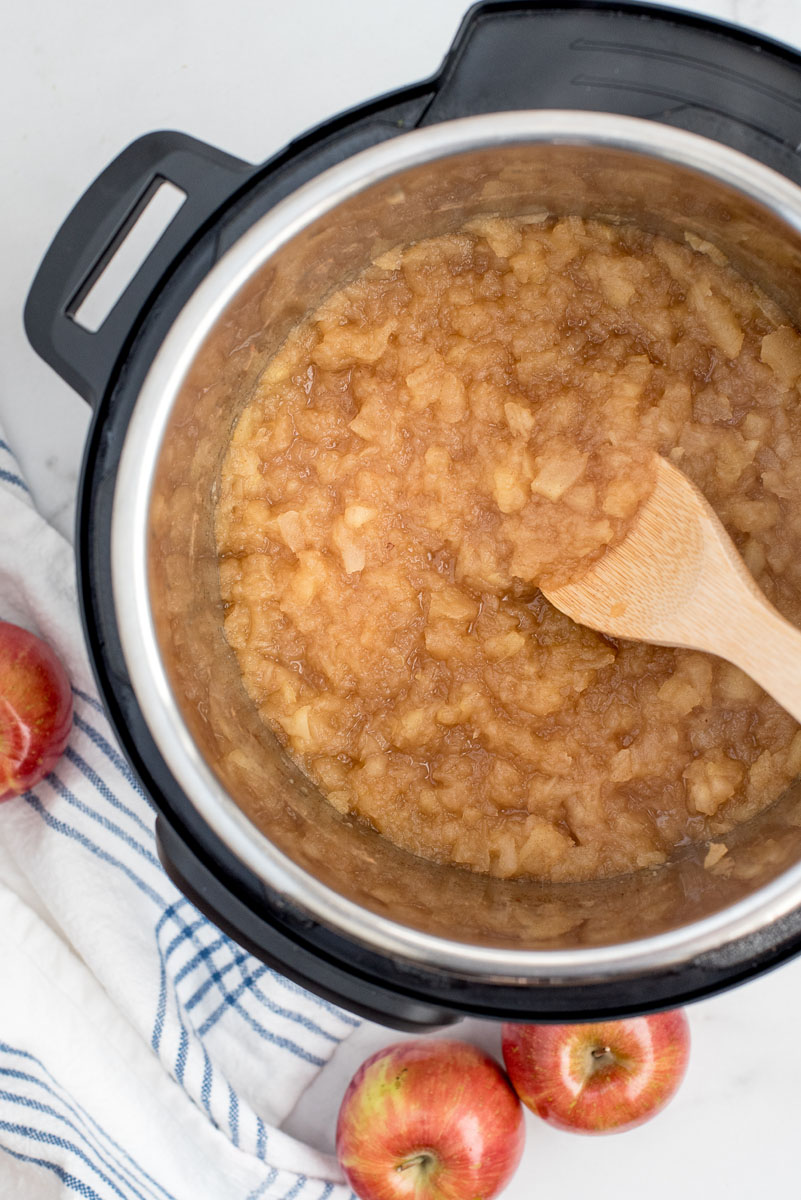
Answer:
(472, 417)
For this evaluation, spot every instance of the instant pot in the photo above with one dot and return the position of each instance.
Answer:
(621, 110)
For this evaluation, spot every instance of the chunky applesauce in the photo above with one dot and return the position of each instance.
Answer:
(474, 416)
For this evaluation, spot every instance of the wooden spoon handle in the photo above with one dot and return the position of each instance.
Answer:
(732, 617)
(757, 639)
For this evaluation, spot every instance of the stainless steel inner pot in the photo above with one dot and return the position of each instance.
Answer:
(164, 564)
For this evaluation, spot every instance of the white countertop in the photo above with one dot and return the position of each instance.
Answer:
(79, 82)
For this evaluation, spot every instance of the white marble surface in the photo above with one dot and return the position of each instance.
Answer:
(79, 81)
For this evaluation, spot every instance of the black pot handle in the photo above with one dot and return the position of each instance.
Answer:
(94, 229)
(587, 54)
(493, 58)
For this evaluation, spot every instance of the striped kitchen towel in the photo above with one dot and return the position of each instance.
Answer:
(143, 1054)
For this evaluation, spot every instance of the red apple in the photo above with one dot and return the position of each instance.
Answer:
(429, 1120)
(35, 710)
(602, 1078)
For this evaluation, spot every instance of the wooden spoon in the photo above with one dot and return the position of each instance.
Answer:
(676, 579)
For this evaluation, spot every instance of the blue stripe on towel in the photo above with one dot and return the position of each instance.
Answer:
(161, 1010)
(205, 1087)
(291, 1014)
(180, 1058)
(230, 999)
(215, 977)
(75, 835)
(45, 1138)
(72, 1106)
(106, 748)
(67, 794)
(259, 1191)
(200, 958)
(291, 986)
(90, 700)
(70, 1181)
(177, 924)
(233, 1115)
(187, 932)
(47, 1110)
(161, 1006)
(275, 1039)
(105, 791)
(10, 477)
(261, 1138)
(171, 911)
(122, 766)
(189, 1040)
(296, 1187)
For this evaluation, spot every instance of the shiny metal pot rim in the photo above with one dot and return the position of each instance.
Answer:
(130, 544)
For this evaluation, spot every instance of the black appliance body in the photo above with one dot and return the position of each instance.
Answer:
(664, 65)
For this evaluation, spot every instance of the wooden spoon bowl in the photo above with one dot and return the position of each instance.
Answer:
(676, 579)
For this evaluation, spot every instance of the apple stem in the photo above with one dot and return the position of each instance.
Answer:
(423, 1160)
(601, 1058)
